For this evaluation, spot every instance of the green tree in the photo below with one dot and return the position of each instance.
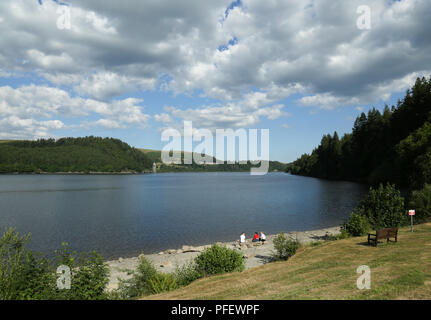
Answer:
(357, 225)
(217, 259)
(25, 275)
(421, 202)
(392, 146)
(384, 207)
(284, 247)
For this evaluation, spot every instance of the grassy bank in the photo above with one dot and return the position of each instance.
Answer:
(328, 271)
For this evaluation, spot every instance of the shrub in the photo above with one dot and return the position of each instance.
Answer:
(216, 260)
(315, 243)
(89, 275)
(90, 278)
(384, 207)
(187, 273)
(145, 280)
(342, 235)
(285, 247)
(357, 225)
(162, 282)
(23, 275)
(421, 201)
(139, 284)
(28, 275)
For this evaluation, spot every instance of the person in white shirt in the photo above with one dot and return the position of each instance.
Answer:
(242, 238)
(262, 237)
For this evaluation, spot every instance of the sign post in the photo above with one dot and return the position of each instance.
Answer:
(411, 214)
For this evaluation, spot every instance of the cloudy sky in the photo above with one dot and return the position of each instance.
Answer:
(128, 69)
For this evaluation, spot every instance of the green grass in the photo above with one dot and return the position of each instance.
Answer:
(399, 270)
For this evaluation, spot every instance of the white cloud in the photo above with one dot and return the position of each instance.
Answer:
(271, 50)
(230, 115)
(382, 91)
(16, 128)
(163, 117)
(105, 85)
(327, 101)
(35, 107)
(109, 124)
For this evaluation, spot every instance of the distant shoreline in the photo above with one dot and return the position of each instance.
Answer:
(73, 173)
(120, 173)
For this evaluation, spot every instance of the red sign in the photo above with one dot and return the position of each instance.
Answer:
(411, 212)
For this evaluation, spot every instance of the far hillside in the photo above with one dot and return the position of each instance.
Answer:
(95, 155)
(155, 156)
(88, 154)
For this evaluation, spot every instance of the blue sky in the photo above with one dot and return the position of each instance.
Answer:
(133, 69)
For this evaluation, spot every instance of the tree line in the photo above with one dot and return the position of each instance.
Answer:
(95, 154)
(390, 146)
(87, 154)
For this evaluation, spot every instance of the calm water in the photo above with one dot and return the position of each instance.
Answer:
(123, 215)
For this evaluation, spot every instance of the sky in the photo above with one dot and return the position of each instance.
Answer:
(130, 69)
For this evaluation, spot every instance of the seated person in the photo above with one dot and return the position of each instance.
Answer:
(255, 237)
(262, 237)
(242, 238)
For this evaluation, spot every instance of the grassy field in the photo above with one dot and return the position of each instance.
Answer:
(328, 271)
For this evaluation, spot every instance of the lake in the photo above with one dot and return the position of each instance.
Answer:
(123, 215)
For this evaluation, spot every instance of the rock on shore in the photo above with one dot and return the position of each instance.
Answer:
(255, 253)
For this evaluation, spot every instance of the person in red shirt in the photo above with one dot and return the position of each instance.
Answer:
(255, 237)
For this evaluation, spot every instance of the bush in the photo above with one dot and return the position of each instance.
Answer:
(89, 275)
(23, 275)
(28, 275)
(145, 280)
(357, 225)
(285, 247)
(139, 284)
(342, 235)
(186, 274)
(216, 260)
(315, 243)
(421, 201)
(162, 282)
(384, 207)
(89, 278)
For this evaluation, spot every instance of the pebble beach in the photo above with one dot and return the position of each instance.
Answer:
(255, 254)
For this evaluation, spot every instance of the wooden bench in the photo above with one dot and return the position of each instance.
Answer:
(383, 234)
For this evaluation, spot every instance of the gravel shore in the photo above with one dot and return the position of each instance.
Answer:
(256, 254)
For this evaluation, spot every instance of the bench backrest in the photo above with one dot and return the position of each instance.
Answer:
(386, 233)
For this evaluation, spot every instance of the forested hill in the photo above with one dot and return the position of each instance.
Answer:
(155, 155)
(393, 146)
(94, 154)
(89, 154)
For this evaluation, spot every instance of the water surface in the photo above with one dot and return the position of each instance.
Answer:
(123, 215)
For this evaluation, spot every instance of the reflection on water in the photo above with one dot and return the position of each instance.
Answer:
(56, 190)
(124, 215)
